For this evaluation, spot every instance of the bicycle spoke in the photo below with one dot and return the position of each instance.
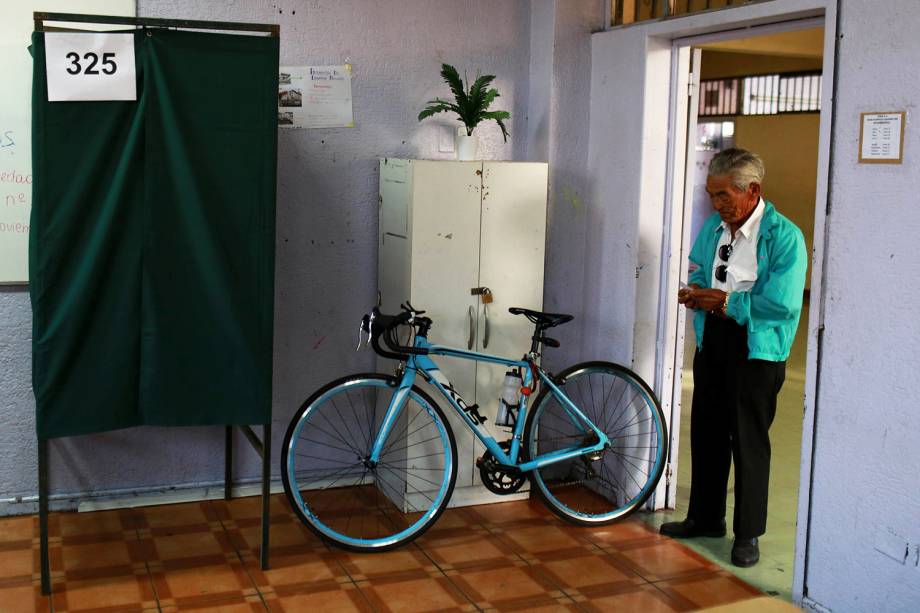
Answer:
(348, 501)
(601, 490)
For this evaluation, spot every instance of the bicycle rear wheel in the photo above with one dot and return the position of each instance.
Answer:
(597, 490)
(339, 493)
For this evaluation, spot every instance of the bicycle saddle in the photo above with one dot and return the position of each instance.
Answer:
(544, 320)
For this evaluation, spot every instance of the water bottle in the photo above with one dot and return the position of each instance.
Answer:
(510, 400)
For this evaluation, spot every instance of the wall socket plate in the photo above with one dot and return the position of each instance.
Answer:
(446, 137)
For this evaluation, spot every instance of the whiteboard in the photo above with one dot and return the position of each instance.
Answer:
(16, 27)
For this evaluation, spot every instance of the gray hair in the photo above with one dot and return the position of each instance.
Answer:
(744, 167)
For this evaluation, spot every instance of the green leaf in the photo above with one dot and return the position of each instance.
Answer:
(499, 117)
(472, 106)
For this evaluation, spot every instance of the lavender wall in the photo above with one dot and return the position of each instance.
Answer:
(327, 209)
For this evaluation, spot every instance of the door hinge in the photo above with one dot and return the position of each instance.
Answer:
(690, 86)
(667, 474)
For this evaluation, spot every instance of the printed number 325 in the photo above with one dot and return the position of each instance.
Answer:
(108, 63)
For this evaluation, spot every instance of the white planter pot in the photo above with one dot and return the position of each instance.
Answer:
(467, 146)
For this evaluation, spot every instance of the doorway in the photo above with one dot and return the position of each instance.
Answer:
(761, 93)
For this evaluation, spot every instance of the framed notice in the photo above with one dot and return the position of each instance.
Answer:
(881, 138)
(315, 97)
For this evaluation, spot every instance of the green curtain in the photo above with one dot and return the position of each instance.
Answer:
(151, 248)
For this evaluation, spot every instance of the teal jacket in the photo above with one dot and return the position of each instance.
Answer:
(771, 309)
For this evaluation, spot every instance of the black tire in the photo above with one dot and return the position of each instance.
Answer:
(374, 491)
(580, 490)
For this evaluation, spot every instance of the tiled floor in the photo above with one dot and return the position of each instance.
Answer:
(773, 574)
(204, 556)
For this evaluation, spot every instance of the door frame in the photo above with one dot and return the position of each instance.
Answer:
(654, 346)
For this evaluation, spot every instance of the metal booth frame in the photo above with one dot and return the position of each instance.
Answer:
(263, 446)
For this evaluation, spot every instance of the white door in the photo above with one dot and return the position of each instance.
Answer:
(511, 266)
(686, 108)
(444, 228)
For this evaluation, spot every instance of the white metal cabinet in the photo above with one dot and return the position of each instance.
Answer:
(445, 228)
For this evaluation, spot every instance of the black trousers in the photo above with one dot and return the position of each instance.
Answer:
(734, 402)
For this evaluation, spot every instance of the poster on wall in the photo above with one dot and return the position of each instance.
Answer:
(881, 138)
(315, 97)
(16, 27)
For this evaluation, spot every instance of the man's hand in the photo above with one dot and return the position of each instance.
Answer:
(684, 296)
(708, 300)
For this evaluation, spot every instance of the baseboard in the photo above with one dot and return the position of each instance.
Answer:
(152, 496)
(134, 497)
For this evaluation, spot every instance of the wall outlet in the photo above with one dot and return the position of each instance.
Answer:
(446, 137)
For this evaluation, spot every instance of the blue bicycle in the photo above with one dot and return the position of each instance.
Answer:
(369, 461)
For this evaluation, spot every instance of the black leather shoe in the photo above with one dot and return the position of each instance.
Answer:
(689, 529)
(745, 552)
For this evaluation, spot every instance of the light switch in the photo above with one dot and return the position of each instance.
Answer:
(446, 138)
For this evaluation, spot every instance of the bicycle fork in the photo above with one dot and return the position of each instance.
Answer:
(397, 402)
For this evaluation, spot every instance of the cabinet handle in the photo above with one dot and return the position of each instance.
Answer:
(485, 334)
(469, 344)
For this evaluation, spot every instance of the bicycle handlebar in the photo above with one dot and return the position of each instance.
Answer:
(378, 325)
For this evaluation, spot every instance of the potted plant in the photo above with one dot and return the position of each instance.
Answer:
(471, 106)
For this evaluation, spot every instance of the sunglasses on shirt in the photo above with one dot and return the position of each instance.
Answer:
(725, 251)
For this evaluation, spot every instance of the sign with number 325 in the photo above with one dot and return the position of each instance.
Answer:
(90, 66)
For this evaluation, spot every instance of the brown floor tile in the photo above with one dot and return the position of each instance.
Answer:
(331, 601)
(709, 590)
(508, 587)
(582, 571)
(204, 556)
(109, 554)
(543, 539)
(177, 515)
(466, 548)
(643, 598)
(665, 559)
(250, 508)
(16, 565)
(232, 604)
(424, 594)
(125, 592)
(23, 598)
(404, 563)
(201, 581)
(622, 533)
(515, 511)
(96, 525)
(287, 537)
(13, 529)
(206, 544)
(317, 569)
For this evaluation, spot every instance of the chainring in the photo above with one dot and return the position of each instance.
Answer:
(499, 479)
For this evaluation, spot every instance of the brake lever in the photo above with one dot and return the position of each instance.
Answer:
(364, 327)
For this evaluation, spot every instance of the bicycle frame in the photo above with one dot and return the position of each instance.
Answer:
(418, 364)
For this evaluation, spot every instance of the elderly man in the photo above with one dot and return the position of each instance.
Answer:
(747, 293)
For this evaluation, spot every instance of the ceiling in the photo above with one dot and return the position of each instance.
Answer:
(799, 43)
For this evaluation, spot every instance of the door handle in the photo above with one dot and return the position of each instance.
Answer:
(485, 333)
(469, 344)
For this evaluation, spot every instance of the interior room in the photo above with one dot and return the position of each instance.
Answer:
(394, 306)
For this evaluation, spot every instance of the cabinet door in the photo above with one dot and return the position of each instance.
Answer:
(444, 232)
(512, 251)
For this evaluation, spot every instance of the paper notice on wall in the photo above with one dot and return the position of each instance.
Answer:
(315, 97)
(881, 136)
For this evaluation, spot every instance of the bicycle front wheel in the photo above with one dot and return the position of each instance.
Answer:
(344, 497)
(603, 487)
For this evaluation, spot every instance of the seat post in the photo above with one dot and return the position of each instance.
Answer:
(535, 339)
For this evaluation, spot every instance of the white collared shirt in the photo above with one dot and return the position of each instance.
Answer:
(742, 263)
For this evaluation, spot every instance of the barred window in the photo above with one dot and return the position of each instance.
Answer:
(770, 94)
